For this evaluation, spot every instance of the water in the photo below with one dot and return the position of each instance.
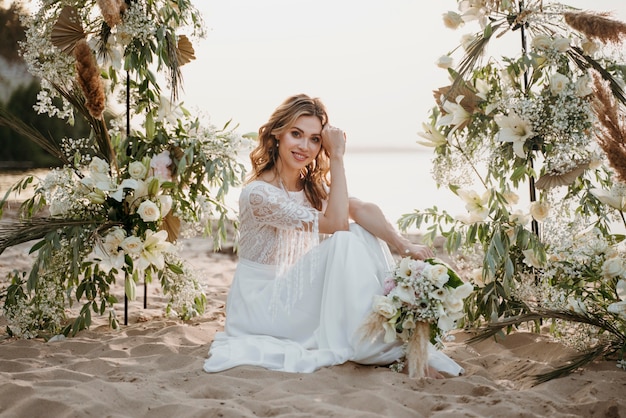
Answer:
(398, 181)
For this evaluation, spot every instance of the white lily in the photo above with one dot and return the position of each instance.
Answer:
(154, 246)
(433, 138)
(455, 115)
(514, 129)
(613, 198)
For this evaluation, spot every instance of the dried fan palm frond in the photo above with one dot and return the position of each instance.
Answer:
(596, 26)
(611, 128)
(171, 224)
(185, 51)
(616, 341)
(469, 102)
(67, 30)
(89, 79)
(550, 180)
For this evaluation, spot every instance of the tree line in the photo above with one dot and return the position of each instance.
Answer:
(17, 151)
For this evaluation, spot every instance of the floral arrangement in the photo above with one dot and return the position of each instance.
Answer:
(546, 122)
(422, 302)
(149, 173)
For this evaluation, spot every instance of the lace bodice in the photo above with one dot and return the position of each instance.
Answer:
(272, 219)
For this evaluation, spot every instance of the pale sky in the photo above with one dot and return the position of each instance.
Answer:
(370, 61)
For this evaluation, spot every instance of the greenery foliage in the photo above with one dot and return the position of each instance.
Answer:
(147, 172)
(526, 124)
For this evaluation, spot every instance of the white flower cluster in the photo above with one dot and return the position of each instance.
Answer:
(184, 290)
(46, 309)
(419, 291)
(137, 25)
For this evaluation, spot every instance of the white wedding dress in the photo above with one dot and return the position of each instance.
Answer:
(310, 316)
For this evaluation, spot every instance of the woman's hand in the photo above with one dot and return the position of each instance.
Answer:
(418, 252)
(333, 141)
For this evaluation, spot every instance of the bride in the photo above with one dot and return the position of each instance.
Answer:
(311, 258)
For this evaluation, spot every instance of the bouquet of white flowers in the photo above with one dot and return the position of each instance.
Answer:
(421, 302)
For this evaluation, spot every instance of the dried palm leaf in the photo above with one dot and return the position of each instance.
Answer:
(584, 62)
(100, 131)
(185, 50)
(16, 124)
(615, 342)
(550, 180)
(67, 30)
(469, 102)
(171, 224)
(16, 233)
(474, 52)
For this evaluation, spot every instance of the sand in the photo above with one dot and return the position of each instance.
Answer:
(153, 368)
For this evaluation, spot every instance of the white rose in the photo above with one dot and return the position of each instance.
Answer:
(613, 267)
(132, 245)
(384, 306)
(438, 275)
(583, 87)
(444, 61)
(539, 210)
(541, 42)
(452, 20)
(98, 166)
(561, 44)
(149, 211)
(137, 170)
(558, 83)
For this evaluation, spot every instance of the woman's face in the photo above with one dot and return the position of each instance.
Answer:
(300, 144)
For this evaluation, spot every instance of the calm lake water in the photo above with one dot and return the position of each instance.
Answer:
(399, 181)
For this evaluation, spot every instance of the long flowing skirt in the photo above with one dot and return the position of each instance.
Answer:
(323, 326)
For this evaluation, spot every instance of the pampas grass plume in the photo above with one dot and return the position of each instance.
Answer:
(88, 75)
(611, 128)
(111, 11)
(596, 26)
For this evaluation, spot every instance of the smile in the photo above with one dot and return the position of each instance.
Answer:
(299, 157)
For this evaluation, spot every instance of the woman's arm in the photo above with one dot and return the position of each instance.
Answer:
(370, 217)
(336, 216)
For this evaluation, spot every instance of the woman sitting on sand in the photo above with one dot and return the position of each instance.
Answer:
(297, 304)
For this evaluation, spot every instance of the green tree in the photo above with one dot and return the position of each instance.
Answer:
(17, 151)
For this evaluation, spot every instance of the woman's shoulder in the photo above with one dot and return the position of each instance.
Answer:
(259, 188)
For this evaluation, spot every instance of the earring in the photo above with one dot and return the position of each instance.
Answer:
(277, 144)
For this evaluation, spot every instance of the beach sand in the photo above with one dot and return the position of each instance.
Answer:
(153, 368)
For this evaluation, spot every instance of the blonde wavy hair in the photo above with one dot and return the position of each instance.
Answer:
(315, 176)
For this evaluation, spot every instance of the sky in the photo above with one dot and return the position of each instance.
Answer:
(372, 62)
